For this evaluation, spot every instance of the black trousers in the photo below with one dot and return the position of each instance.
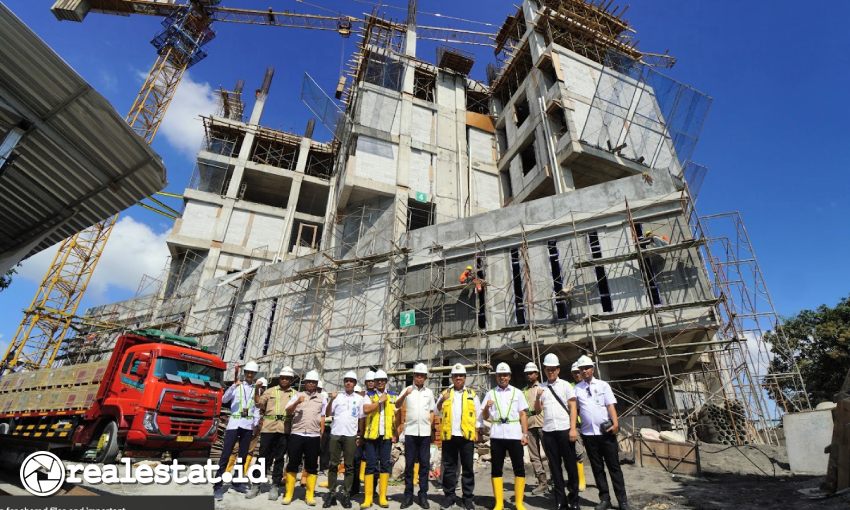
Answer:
(378, 453)
(273, 450)
(511, 447)
(602, 451)
(559, 450)
(355, 484)
(243, 436)
(325, 448)
(416, 449)
(306, 448)
(458, 448)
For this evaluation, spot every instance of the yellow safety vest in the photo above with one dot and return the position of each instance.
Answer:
(467, 415)
(373, 419)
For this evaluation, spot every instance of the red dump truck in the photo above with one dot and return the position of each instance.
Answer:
(157, 393)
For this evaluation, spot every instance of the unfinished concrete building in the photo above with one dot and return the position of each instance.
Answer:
(563, 182)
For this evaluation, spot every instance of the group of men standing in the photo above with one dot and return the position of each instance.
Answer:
(365, 424)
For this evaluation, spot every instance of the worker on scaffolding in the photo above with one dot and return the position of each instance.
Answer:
(506, 407)
(244, 420)
(346, 408)
(575, 372)
(651, 239)
(416, 404)
(307, 410)
(599, 428)
(460, 413)
(469, 277)
(535, 427)
(379, 436)
(557, 400)
(277, 424)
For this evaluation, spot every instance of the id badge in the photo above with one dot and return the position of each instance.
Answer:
(244, 413)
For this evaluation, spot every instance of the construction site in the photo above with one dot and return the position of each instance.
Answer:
(565, 181)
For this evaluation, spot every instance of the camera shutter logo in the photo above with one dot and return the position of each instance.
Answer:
(42, 473)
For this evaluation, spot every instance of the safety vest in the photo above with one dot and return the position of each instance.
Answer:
(246, 402)
(467, 417)
(373, 419)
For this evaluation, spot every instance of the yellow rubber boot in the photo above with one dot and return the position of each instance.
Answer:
(362, 470)
(230, 463)
(384, 481)
(310, 498)
(416, 474)
(323, 484)
(582, 483)
(519, 492)
(498, 493)
(368, 490)
(290, 488)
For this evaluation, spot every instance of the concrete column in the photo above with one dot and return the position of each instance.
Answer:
(248, 141)
(294, 191)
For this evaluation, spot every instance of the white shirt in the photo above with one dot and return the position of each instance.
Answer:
(593, 400)
(504, 412)
(418, 406)
(241, 395)
(457, 412)
(346, 410)
(555, 418)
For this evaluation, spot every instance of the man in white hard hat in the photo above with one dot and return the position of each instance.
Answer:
(346, 409)
(276, 427)
(599, 427)
(506, 407)
(460, 412)
(535, 429)
(369, 382)
(379, 434)
(582, 484)
(244, 419)
(307, 409)
(416, 405)
(558, 402)
(359, 463)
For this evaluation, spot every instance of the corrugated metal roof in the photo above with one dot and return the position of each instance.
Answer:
(78, 163)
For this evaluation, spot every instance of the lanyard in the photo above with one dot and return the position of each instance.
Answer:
(503, 418)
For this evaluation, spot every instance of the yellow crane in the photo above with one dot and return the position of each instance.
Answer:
(53, 310)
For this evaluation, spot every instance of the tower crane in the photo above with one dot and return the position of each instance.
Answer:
(186, 30)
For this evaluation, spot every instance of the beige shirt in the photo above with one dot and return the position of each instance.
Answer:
(535, 419)
(309, 415)
(272, 405)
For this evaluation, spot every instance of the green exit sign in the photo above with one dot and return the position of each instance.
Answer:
(421, 196)
(407, 318)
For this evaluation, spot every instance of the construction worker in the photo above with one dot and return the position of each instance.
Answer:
(307, 410)
(346, 409)
(651, 239)
(417, 403)
(359, 463)
(379, 435)
(468, 276)
(599, 427)
(582, 484)
(506, 407)
(557, 401)
(460, 411)
(535, 430)
(369, 381)
(275, 431)
(244, 420)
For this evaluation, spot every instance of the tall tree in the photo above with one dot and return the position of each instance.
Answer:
(819, 341)
(6, 279)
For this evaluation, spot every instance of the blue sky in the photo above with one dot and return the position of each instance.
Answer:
(775, 141)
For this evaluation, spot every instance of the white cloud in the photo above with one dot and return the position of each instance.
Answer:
(132, 251)
(182, 127)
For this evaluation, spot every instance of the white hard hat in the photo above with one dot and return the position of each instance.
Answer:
(357, 388)
(263, 381)
(574, 367)
(286, 372)
(420, 368)
(312, 375)
(370, 376)
(380, 374)
(584, 361)
(350, 375)
(458, 369)
(531, 367)
(551, 360)
(503, 368)
(321, 384)
(251, 366)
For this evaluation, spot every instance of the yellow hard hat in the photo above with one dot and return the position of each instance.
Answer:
(469, 268)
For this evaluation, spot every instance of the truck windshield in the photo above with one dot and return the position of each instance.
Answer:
(183, 368)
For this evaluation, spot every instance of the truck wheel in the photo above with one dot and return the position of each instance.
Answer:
(106, 447)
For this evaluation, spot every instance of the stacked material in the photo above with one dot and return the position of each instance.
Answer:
(722, 424)
(67, 388)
